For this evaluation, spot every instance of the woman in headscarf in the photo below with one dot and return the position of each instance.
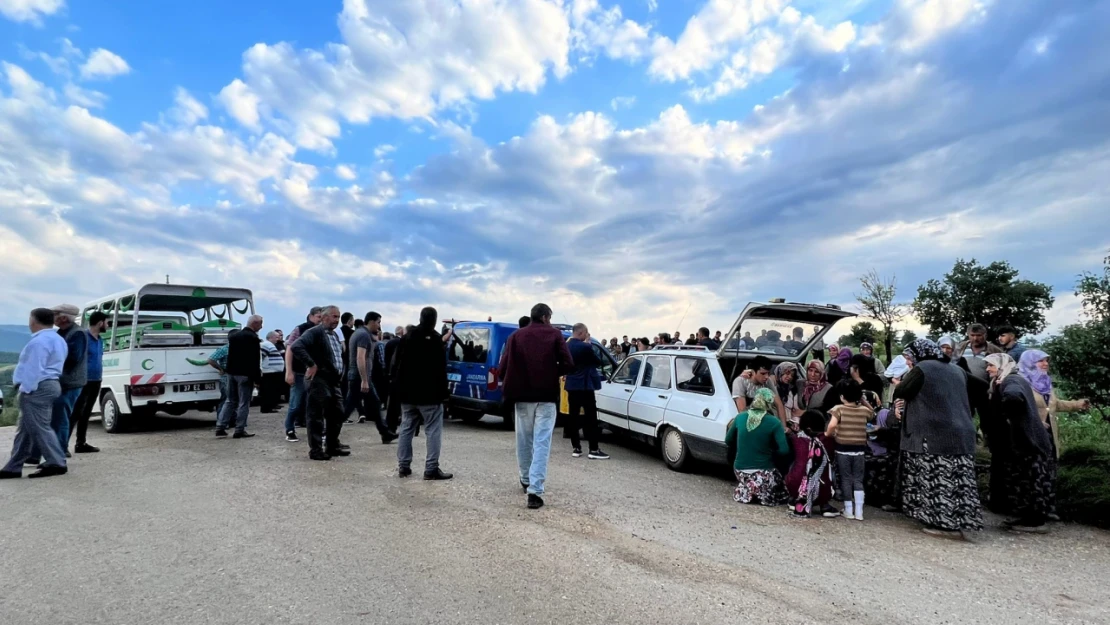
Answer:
(938, 482)
(893, 374)
(867, 349)
(1033, 366)
(790, 392)
(1032, 463)
(839, 364)
(946, 346)
(756, 441)
(816, 387)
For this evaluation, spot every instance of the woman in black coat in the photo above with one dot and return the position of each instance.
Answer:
(1032, 463)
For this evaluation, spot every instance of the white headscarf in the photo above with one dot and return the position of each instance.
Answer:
(1006, 366)
(898, 367)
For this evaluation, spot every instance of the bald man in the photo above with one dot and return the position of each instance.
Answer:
(244, 371)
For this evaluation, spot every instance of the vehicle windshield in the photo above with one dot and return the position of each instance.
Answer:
(781, 337)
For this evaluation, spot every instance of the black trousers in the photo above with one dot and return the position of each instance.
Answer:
(82, 410)
(367, 404)
(269, 393)
(325, 406)
(584, 402)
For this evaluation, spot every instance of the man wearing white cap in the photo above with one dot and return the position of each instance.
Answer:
(74, 371)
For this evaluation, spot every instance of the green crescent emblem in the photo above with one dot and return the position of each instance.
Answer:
(148, 364)
(197, 363)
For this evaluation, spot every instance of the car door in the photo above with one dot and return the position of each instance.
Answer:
(700, 405)
(648, 404)
(612, 399)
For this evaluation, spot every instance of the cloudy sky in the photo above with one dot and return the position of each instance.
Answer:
(621, 162)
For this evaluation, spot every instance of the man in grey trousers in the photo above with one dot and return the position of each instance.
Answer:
(419, 376)
(244, 372)
(36, 380)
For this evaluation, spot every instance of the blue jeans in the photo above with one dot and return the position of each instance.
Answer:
(296, 409)
(432, 415)
(63, 409)
(240, 390)
(535, 423)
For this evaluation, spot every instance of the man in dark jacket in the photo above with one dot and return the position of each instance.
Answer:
(580, 387)
(320, 351)
(706, 342)
(244, 371)
(392, 404)
(294, 376)
(419, 375)
(74, 373)
(534, 359)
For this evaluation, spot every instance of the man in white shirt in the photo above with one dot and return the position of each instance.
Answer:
(36, 378)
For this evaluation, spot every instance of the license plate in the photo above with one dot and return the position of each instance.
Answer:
(192, 388)
(454, 377)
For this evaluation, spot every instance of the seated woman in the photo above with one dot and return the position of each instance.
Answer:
(816, 387)
(809, 483)
(756, 440)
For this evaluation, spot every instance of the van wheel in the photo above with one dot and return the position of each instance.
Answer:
(114, 422)
(675, 452)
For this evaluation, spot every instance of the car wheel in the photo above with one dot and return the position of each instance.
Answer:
(113, 421)
(673, 447)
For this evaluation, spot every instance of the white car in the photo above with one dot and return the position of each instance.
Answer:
(680, 397)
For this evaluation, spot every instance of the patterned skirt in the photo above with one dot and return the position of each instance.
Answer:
(1033, 488)
(940, 491)
(762, 487)
(880, 479)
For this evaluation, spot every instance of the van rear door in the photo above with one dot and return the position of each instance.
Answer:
(468, 356)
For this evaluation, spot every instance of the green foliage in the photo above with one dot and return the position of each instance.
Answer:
(992, 295)
(862, 332)
(1083, 481)
(1081, 362)
(907, 337)
(877, 301)
(1094, 290)
(10, 414)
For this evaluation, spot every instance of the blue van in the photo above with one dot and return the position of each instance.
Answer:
(472, 359)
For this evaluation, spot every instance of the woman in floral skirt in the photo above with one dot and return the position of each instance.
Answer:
(756, 440)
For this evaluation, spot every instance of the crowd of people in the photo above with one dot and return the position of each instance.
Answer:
(848, 428)
(903, 436)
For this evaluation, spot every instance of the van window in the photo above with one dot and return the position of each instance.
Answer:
(470, 345)
(693, 375)
(628, 371)
(658, 373)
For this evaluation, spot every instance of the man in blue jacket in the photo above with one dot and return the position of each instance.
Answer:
(580, 386)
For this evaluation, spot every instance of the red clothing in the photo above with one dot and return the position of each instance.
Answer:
(535, 358)
(800, 447)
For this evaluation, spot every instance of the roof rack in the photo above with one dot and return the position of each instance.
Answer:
(681, 348)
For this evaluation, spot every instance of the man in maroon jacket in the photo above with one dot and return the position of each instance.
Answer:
(535, 358)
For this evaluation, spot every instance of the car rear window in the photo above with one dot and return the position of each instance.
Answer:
(693, 375)
(470, 345)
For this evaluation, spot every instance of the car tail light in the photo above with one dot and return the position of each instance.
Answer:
(491, 379)
(147, 390)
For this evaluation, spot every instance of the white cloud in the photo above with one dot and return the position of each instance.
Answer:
(241, 103)
(383, 150)
(187, 110)
(912, 24)
(87, 98)
(29, 10)
(346, 172)
(595, 28)
(622, 102)
(103, 64)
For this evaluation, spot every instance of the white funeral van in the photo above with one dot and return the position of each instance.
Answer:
(157, 345)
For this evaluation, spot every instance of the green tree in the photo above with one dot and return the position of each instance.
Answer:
(877, 301)
(1081, 363)
(1094, 290)
(908, 336)
(992, 295)
(862, 332)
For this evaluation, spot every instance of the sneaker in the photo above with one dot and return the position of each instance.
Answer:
(794, 514)
(534, 502)
(389, 438)
(318, 455)
(221, 432)
(403, 471)
(576, 453)
(243, 434)
(291, 436)
(597, 454)
(338, 452)
(361, 420)
(438, 474)
(49, 472)
(85, 448)
(830, 514)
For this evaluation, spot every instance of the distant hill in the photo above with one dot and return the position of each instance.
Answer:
(13, 338)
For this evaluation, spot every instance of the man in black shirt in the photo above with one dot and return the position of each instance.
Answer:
(244, 371)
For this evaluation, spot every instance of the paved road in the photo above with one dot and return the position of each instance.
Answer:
(176, 526)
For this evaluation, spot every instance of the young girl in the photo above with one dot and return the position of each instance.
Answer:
(848, 425)
(809, 482)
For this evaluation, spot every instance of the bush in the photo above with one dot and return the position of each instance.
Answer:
(1083, 483)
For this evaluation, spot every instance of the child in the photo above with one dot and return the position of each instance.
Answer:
(848, 425)
(810, 479)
